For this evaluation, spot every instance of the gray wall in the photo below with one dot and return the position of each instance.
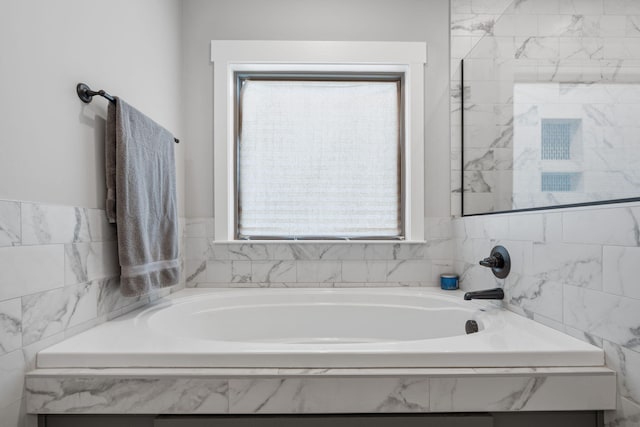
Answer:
(52, 144)
(348, 20)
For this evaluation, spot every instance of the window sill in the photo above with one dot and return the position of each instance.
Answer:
(320, 242)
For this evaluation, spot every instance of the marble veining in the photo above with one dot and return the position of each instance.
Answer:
(89, 261)
(10, 229)
(535, 296)
(10, 325)
(47, 313)
(576, 265)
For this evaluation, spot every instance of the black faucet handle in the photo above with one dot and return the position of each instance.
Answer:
(498, 261)
(494, 261)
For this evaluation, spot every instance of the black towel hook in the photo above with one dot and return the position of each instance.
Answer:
(86, 95)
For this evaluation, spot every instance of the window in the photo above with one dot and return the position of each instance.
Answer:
(318, 140)
(319, 156)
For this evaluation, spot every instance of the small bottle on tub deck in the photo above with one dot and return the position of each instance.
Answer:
(449, 282)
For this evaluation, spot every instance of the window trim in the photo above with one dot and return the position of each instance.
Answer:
(232, 58)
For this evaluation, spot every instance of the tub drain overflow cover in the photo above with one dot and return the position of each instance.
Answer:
(471, 326)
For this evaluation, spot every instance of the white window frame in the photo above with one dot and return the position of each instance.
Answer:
(232, 56)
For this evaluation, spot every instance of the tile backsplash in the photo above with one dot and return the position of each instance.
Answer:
(310, 264)
(59, 275)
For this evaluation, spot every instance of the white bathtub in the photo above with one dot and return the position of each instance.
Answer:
(319, 328)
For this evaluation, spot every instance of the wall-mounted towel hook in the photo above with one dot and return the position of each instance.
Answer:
(86, 95)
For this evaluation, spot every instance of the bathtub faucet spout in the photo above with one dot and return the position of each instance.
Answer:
(495, 293)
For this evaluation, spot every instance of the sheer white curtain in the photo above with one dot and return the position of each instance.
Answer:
(319, 159)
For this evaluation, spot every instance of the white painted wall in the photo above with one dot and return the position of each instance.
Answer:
(327, 20)
(51, 143)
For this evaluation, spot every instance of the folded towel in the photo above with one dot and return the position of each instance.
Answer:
(141, 199)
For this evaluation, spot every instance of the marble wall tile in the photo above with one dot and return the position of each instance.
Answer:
(626, 362)
(633, 26)
(460, 7)
(621, 7)
(620, 226)
(582, 7)
(626, 415)
(218, 271)
(10, 325)
(12, 414)
(408, 271)
(537, 48)
(195, 271)
(488, 6)
(552, 227)
(114, 396)
(48, 313)
(472, 24)
(10, 228)
(439, 249)
(19, 277)
(273, 271)
(85, 262)
(343, 251)
(526, 227)
(319, 271)
(11, 377)
(535, 295)
(364, 271)
(241, 271)
(607, 316)
(45, 224)
(570, 264)
(620, 271)
(328, 395)
(538, 7)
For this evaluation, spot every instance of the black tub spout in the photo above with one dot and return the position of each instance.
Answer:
(495, 293)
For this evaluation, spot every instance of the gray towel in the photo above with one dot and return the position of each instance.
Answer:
(141, 199)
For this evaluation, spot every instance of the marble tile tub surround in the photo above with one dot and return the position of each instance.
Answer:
(58, 277)
(575, 270)
(263, 391)
(305, 264)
